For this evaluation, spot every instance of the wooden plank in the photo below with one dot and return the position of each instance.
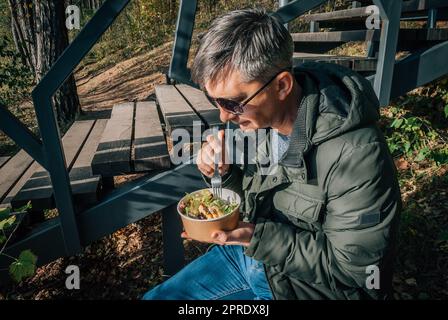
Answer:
(417, 5)
(38, 189)
(340, 15)
(197, 100)
(3, 160)
(337, 36)
(84, 183)
(150, 149)
(176, 111)
(423, 34)
(364, 64)
(410, 9)
(12, 170)
(371, 35)
(113, 155)
(19, 184)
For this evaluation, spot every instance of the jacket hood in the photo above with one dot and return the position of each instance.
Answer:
(337, 100)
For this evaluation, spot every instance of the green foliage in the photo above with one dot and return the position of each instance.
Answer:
(6, 221)
(410, 135)
(25, 265)
(440, 156)
(15, 78)
(414, 137)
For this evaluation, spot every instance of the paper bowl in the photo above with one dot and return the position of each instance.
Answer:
(202, 230)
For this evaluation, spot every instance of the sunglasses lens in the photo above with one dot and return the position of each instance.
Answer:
(229, 105)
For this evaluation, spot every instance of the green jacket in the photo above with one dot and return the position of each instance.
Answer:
(331, 207)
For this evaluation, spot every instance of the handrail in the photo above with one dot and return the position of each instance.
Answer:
(24, 137)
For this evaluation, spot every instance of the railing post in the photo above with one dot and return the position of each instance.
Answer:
(282, 3)
(182, 41)
(296, 8)
(432, 18)
(173, 249)
(57, 170)
(21, 135)
(390, 12)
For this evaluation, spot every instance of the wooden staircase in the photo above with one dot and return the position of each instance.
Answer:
(348, 25)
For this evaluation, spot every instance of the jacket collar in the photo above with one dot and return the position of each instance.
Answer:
(300, 142)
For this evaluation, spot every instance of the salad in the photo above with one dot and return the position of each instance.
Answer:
(204, 205)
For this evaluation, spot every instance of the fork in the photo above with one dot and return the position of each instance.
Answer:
(216, 180)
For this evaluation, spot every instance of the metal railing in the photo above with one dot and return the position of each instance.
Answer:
(48, 150)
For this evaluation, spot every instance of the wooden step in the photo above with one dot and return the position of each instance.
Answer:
(415, 5)
(133, 141)
(38, 188)
(150, 149)
(336, 36)
(197, 100)
(353, 14)
(176, 111)
(114, 149)
(85, 185)
(420, 5)
(3, 160)
(364, 35)
(413, 9)
(11, 173)
(321, 42)
(358, 64)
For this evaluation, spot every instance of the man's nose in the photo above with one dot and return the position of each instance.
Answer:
(226, 116)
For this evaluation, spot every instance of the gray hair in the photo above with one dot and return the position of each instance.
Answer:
(250, 41)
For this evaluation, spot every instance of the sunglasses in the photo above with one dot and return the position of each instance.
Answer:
(236, 107)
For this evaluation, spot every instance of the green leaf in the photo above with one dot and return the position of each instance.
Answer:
(407, 146)
(24, 267)
(4, 213)
(397, 123)
(6, 223)
(446, 111)
(422, 154)
(2, 239)
(440, 156)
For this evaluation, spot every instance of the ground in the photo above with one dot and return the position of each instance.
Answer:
(129, 80)
(127, 263)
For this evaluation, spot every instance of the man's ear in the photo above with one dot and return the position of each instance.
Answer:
(285, 82)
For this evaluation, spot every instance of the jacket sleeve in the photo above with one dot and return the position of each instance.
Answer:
(362, 201)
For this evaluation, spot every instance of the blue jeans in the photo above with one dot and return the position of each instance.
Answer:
(223, 273)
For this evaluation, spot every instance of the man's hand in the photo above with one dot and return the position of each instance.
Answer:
(206, 156)
(240, 236)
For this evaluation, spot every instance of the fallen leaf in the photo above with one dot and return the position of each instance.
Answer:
(402, 164)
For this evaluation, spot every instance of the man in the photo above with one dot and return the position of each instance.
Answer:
(321, 226)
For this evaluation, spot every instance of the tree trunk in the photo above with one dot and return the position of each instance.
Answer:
(91, 4)
(41, 36)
